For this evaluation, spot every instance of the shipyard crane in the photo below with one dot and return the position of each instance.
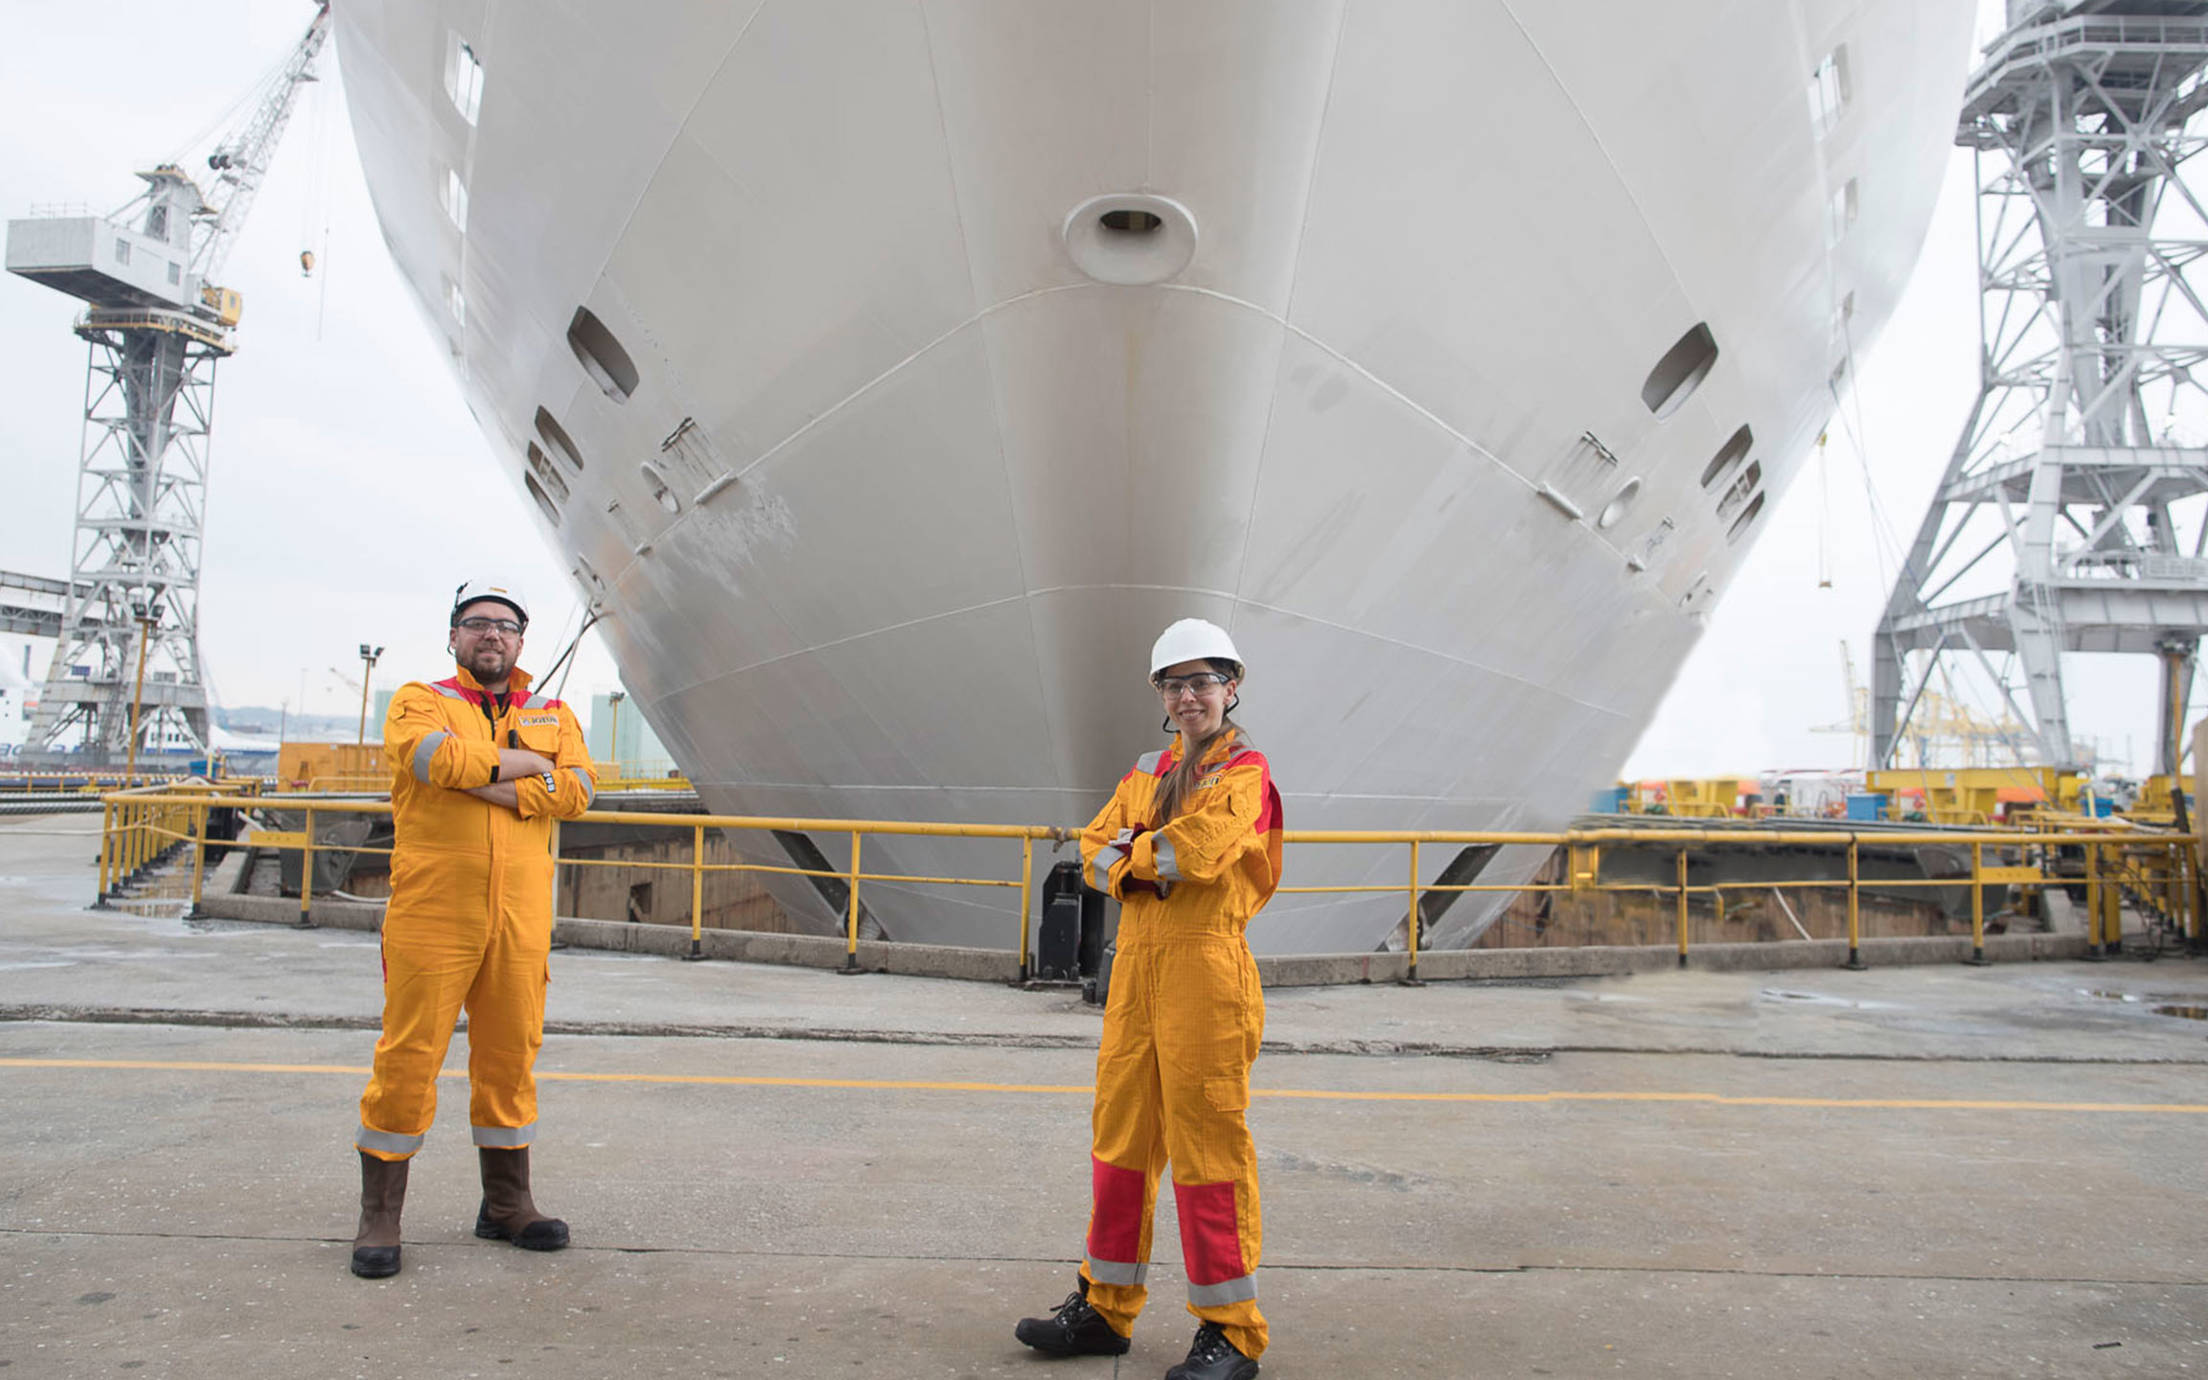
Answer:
(157, 320)
(2069, 519)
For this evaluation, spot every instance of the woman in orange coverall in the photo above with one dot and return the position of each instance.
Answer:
(481, 770)
(1190, 844)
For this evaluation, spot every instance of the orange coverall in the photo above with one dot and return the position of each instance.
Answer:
(1181, 1029)
(470, 917)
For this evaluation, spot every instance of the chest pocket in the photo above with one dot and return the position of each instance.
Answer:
(539, 738)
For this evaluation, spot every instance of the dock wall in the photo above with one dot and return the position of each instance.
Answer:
(1301, 970)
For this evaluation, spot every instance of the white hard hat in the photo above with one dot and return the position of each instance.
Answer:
(504, 591)
(1193, 639)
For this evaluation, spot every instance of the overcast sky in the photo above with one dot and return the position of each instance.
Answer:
(351, 490)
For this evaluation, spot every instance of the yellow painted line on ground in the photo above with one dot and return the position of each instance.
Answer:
(1936, 1104)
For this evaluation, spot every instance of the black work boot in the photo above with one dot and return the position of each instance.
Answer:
(1074, 1330)
(1212, 1357)
(508, 1212)
(382, 1195)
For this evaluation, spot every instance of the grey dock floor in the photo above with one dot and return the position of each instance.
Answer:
(781, 1172)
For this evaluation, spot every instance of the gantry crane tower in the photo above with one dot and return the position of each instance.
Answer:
(2060, 524)
(156, 323)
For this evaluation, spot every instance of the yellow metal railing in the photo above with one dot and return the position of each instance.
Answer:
(141, 828)
(2159, 871)
(2110, 858)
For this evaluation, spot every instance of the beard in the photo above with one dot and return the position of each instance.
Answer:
(490, 664)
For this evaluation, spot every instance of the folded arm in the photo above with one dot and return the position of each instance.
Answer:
(564, 786)
(1202, 844)
(416, 740)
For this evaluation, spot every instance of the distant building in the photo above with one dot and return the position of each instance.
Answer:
(640, 751)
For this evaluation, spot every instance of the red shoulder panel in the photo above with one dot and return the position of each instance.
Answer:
(1268, 810)
(452, 685)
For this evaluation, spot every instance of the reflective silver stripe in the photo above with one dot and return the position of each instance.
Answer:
(1147, 764)
(425, 750)
(1218, 1295)
(1168, 870)
(582, 778)
(447, 691)
(510, 1137)
(1101, 869)
(389, 1142)
(1120, 1271)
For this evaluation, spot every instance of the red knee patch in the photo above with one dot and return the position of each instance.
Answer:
(1115, 1224)
(1210, 1241)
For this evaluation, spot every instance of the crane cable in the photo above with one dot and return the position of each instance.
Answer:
(589, 622)
(1824, 516)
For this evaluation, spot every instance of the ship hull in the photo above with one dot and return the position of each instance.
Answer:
(885, 464)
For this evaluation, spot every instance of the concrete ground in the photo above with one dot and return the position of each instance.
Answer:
(783, 1172)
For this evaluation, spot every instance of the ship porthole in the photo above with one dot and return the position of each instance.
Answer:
(663, 495)
(544, 500)
(1680, 371)
(1728, 455)
(558, 441)
(1620, 505)
(1128, 239)
(602, 356)
(1129, 222)
(1740, 524)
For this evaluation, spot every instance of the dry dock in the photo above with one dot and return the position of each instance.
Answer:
(786, 1172)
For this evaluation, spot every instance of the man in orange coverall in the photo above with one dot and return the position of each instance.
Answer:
(481, 770)
(1191, 845)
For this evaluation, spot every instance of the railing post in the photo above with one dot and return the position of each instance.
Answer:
(1411, 925)
(1977, 957)
(107, 854)
(2112, 903)
(1027, 879)
(851, 925)
(306, 876)
(1682, 905)
(1855, 963)
(2094, 952)
(199, 854)
(2188, 853)
(697, 893)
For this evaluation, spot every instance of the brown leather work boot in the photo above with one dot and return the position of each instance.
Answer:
(382, 1195)
(508, 1212)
